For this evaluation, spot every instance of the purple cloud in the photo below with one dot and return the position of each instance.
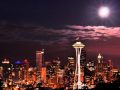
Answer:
(96, 32)
(50, 36)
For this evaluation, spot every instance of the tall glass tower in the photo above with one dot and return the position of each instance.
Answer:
(39, 57)
(39, 60)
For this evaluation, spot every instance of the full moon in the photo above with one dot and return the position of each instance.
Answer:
(103, 12)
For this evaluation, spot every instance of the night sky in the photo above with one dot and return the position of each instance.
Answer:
(30, 25)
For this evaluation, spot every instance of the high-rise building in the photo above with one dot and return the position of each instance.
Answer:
(100, 72)
(69, 73)
(39, 64)
(109, 70)
(83, 57)
(43, 74)
(19, 71)
(39, 59)
(1, 72)
(100, 63)
(71, 62)
(26, 68)
(6, 68)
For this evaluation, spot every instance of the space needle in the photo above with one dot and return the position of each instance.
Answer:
(77, 79)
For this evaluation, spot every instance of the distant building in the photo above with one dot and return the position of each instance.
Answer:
(39, 64)
(91, 66)
(26, 68)
(43, 74)
(19, 71)
(6, 69)
(39, 59)
(69, 73)
(83, 57)
(1, 72)
(100, 63)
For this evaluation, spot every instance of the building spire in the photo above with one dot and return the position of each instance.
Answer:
(99, 56)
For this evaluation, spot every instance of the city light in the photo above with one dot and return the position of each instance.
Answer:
(76, 73)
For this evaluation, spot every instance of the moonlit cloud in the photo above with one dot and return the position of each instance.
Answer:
(50, 36)
(96, 32)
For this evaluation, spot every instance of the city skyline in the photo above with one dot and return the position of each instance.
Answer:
(28, 26)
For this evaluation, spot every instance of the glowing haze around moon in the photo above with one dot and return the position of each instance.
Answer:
(104, 12)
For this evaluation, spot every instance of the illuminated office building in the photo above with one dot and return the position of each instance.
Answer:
(39, 64)
(19, 71)
(6, 69)
(39, 59)
(26, 68)
(100, 63)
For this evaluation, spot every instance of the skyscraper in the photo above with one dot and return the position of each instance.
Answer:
(6, 68)
(39, 59)
(100, 63)
(83, 57)
(26, 67)
(19, 71)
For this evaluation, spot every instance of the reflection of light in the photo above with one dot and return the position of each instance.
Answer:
(104, 12)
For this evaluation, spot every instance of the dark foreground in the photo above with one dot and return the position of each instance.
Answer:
(101, 86)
